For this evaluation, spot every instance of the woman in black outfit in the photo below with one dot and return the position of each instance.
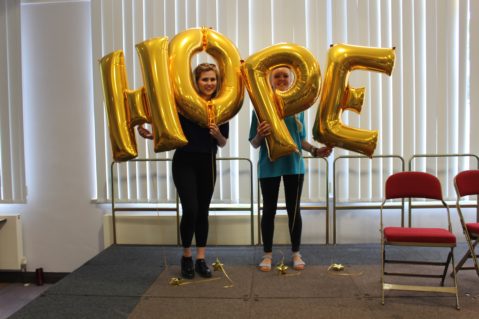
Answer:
(194, 174)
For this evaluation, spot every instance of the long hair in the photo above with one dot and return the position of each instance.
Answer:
(205, 67)
(296, 116)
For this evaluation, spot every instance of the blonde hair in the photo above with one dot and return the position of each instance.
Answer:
(296, 116)
(298, 123)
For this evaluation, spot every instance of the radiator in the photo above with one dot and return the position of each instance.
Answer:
(11, 243)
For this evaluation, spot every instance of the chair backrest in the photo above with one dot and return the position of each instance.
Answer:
(467, 183)
(413, 184)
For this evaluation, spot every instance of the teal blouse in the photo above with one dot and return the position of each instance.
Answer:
(291, 164)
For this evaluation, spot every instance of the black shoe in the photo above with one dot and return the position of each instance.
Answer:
(187, 270)
(202, 268)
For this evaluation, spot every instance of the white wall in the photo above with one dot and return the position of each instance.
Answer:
(62, 228)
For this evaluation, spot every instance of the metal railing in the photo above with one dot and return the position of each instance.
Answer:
(282, 206)
(115, 209)
(374, 206)
(176, 208)
(414, 157)
(324, 207)
(251, 206)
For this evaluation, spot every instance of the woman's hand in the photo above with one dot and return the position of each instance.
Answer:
(144, 132)
(263, 130)
(216, 133)
(321, 152)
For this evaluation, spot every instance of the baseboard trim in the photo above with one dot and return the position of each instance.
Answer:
(30, 277)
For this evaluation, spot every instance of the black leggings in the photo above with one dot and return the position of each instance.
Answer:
(194, 175)
(293, 186)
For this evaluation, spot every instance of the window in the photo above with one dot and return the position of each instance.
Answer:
(12, 167)
(424, 107)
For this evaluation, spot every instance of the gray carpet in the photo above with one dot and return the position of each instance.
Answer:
(133, 282)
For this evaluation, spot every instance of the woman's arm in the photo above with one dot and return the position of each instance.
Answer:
(316, 152)
(264, 129)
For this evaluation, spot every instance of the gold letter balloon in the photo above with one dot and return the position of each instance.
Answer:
(154, 103)
(115, 86)
(272, 106)
(167, 131)
(229, 99)
(338, 96)
(169, 88)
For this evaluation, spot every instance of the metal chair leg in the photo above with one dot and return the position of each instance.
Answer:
(470, 254)
(383, 253)
(449, 257)
(458, 307)
(473, 255)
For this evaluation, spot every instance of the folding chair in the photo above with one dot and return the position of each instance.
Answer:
(406, 185)
(467, 183)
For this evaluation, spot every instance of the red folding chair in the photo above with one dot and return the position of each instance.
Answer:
(406, 185)
(467, 183)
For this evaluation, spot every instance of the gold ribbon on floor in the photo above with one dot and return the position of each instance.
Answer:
(176, 281)
(336, 267)
(217, 265)
(282, 269)
(338, 270)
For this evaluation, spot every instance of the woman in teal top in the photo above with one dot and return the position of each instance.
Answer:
(290, 168)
